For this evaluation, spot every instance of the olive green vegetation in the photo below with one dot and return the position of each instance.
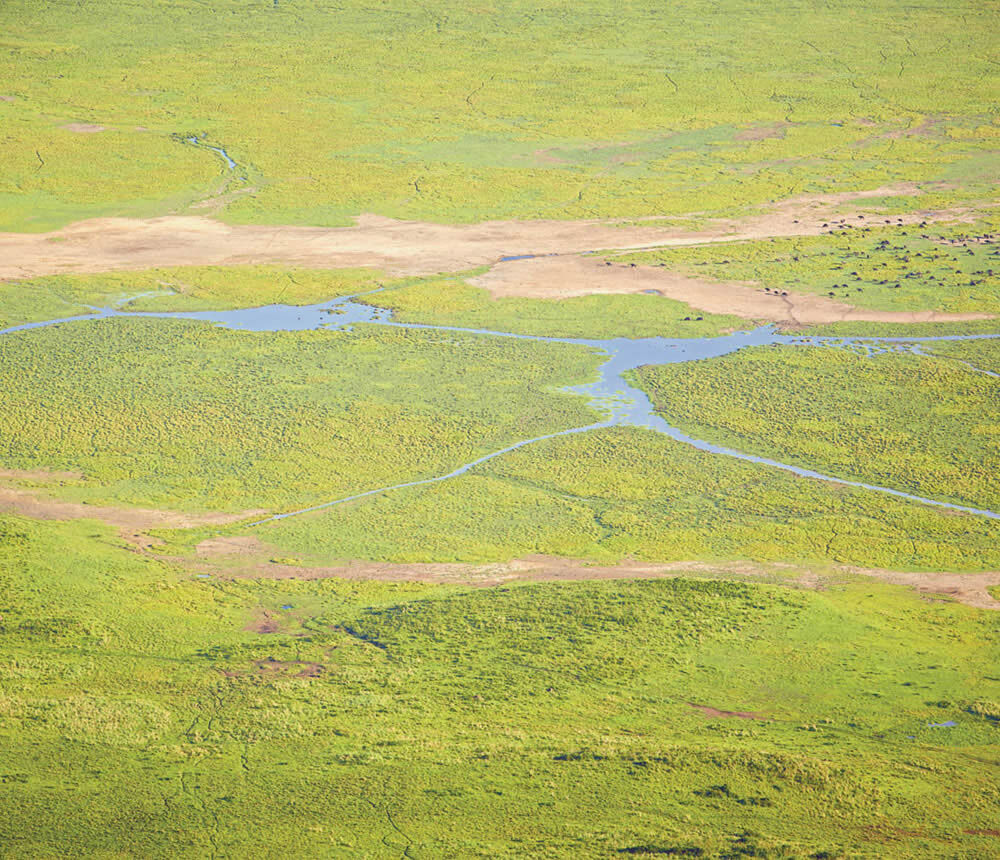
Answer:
(185, 415)
(182, 288)
(983, 355)
(436, 300)
(913, 268)
(141, 715)
(621, 493)
(915, 423)
(878, 329)
(153, 706)
(453, 302)
(453, 112)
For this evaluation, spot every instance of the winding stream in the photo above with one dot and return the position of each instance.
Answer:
(611, 394)
(218, 150)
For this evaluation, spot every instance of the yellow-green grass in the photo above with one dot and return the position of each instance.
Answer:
(462, 114)
(920, 424)
(186, 415)
(456, 303)
(144, 715)
(180, 288)
(872, 266)
(625, 493)
(446, 301)
(876, 329)
(983, 355)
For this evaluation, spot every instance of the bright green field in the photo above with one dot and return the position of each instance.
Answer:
(541, 721)
(630, 493)
(185, 415)
(920, 424)
(455, 112)
(155, 704)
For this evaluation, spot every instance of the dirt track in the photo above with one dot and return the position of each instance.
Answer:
(565, 276)
(132, 523)
(396, 247)
(27, 504)
(247, 557)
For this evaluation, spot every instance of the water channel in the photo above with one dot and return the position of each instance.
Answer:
(218, 150)
(612, 395)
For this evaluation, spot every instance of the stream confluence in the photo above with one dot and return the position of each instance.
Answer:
(611, 393)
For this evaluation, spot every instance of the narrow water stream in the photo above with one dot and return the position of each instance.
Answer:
(611, 394)
(218, 150)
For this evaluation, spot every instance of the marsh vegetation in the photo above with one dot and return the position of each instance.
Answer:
(422, 112)
(546, 719)
(184, 675)
(912, 422)
(181, 414)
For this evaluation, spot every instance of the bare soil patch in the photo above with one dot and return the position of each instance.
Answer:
(967, 588)
(545, 156)
(217, 202)
(84, 127)
(715, 712)
(38, 475)
(263, 622)
(270, 666)
(243, 562)
(565, 276)
(228, 546)
(23, 502)
(7, 99)
(247, 557)
(396, 247)
(551, 155)
(925, 129)
(762, 132)
(133, 523)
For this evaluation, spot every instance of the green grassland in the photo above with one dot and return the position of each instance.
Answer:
(919, 424)
(140, 716)
(881, 329)
(187, 416)
(182, 414)
(461, 113)
(879, 267)
(455, 303)
(984, 354)
(146, 708)
(620, 493)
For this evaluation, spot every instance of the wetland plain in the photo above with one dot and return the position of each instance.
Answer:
(499, 431)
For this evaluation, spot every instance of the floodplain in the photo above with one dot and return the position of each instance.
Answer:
(510, 430)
